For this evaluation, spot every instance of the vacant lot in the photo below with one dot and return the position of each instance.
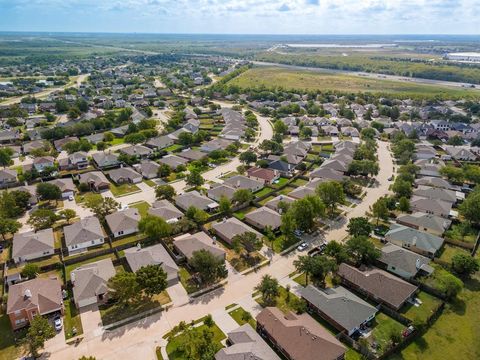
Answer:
(312, 80)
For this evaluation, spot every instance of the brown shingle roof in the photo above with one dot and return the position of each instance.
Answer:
(46, 296)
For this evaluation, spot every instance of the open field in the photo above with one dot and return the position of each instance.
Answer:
(313, 80)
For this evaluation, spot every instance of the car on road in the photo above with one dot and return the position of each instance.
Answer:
(297, 233)
(390, 178)
(302, 246)
(317, 250)
(57, 322)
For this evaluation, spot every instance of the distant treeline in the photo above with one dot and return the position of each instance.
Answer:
(389, 66)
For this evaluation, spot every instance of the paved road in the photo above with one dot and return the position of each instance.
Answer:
(147, 334)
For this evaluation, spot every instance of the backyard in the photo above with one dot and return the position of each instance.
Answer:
(422, 312)
(8, 350)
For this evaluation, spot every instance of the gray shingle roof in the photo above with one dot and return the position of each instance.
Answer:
(87, 229)
(28, 243)
(123, 220)
(90, 280)
(404, 259)
(419, 239)
(152, 255)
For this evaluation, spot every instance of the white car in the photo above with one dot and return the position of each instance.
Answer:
(57, 322)
(302, 246)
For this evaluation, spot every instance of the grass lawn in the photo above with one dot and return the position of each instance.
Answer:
(8, 349)
(459, 232)
(55, 259)
(422, 312)
(141, 206)
(174, 147)
(69, 268)
(383, 326)
(267, 199)
(449, 251)
(186, 279)
(301, 279)
(117, 141)
(455, 334)
(240, 215)
(175, 344)
(82, 198)
(150, 182)
(281, 181)
(264, 191)
(229, 175)
(281, 243)
(299, 182)
(239, 315)
(124, 189)
(286, 190)
(285, 301)
(134, 239)
(72, 318)
(240, 263)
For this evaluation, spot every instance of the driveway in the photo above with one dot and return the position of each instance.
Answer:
(178, 294)
(91, 321)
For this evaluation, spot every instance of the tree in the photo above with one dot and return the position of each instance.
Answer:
(194, 178)
(336, 251)
(288, 225)
(67, 214)
(154, 227)
(108, 137)
(209, 267)
(304, 264)
(404, 204)
(455, 140)
(449, 284)
(359, 226)
(9, 208)
(39, 331)
(402, 188)
(380, 209)
(8, 226)
(30, 271)
(321, 267)
(197, 215)
(362, 250)
(152, 279)
(453, 174)
(6, 157)
(248, 241)
(225, 206)
(164, 170)
(269, 289)
(470, 208)
(242, 196)
(42, 219)
(46, 191)
(248, 157)
(124, 287)
(102, 207)
(331, 193)
(464, 264)
(165, 192)
(304, 212)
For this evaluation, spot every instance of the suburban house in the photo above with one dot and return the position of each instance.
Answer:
(215, 144)
(194, 198)
(8, 177)
(96, 180)
(432, 224)
(327, 174)
(276, 201)
(460, 153)
(32, 245)
(283, 167)
(243, 182)
(339, 307)
(83, 234)
(403, 262)
(187, 244)
(104, 160)
(173, 161)
(76, 161)
(148, 169)
(138, 257)
(192, 155)
(431, 206)
(60, 143)
(245, 343)
(216, 192)
(125, 175)
(43, 162)
(124, 222)
(414, 240)
(264, 217)
(378, 285)
(433, 182)
(436, 193)
(137, 151)
(298, 336)
(40, 296)
(66, 185)
(159, 143)
(227, 229)
(267, 176)
(165, 210)
(90, 282)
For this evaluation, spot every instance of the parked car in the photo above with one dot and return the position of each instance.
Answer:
(380, 230)
(58, 323)
(302, 246)
(317, 250)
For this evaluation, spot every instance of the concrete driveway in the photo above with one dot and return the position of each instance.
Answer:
(91, 321)
(178, 294)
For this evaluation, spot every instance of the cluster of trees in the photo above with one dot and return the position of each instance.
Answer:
(402, 148)
(470, 207)
(363, 168)
(403, 185)
(458, 175)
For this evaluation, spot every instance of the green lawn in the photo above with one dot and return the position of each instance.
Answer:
(240, 215)
(8, 350)
(174, 147)
(175, 345)
(117, 141)
(299, 182)
(240, 314)
(285, 301)
(267, 199)
(449, 251)
(133, 239)
(281, 181)
(124, 189)
(82, 198)
(187, 281)
(286, 190)
(142, 207)
(150, 182)
(281, 243)
(264, 191)
(424, 311)
(462, 232)
(72, 318)
(383, 326)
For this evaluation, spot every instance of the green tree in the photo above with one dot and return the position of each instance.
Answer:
(362, 250)
(449, 284)
(404, 204)
(67, 214)
(42, 219)
(248, 241)
(209, 267)
(359, 226)
(304, 264)
(453, 174)
(152, 279)
(197, 215)
(124, 287)
(30, 271)
(194, 178)
(380, 209)
(402, 188)
(102, 207)
(8, 226)
(336, 251)
(242, 196)
(46, 191)
(108, 137)
(304, 212)
(164, 170)
(269, 289)
(8, 205)
(6, 157)
(464, 264)
(154, 227)
(225, 206)
(248, 157)
(288, 225)
(331, 193)
(321, 267)
(470, 208)
(164, 192)
(39, 331)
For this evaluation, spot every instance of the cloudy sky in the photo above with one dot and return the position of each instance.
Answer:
(244, 16)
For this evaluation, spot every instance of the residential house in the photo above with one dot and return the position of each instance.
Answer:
(188, 244)
(228, 229)
(32, 245)
(165, 210)
(43, 162)
(436, 193)
(431, 206)
(192, 155)
(414, 240)
(263, 218)
(216, 192)
(267, 176)
(328, 174)
(274, 204)
(9, 136)
(125, 175)
(40, 296)
(159, 143)
(298, 336)
(35, 145)
(379, 285)
(460, 153)
(215, 144)
(8, 177)
(284, 168)
(78, 161)
(148, 169)
(173, 161)
(339, 307)
(83, 234)
(66, 185)
(96, 180)
(430, 223)
(195, 199)
(403, 262)
(104, 160)
(60, 143)
(433, 182)
(138, 151)
(124, 222)
(90, 282)
(243, 182)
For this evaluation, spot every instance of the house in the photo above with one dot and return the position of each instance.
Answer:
(159, 143)
(8, 177)
(148, 169)
(243, 182)
(433, 182)
(95, 138)
(32, 245)
(215, 144)
(228, 229)
(298, 336)
(339, 307)
(188, 244)
(349, 131)
(378, 285)
(216, 192)
(173, 161)
(431, 206)
(336, 165)
(460, 153)
(330, 130)
(327, 174)
(165, 210)
(414, 240)
(440, 125)
(90, 282)
(430, 223)
(195, 199)
(66, 185)
(138, 257)
(40, 296)
(425, 152)
(275, 203)
(139, 151)
(78, 161)
(60, 143)
(124, 222)
(104, 160)
(436, 193)
(301, 192)
(34, 145)
(96, 180)
(403, 262)
(124, 175)
(43, 162)
(267, 176)
(192, 155)
(263, 218)
(83, 234)
(245, 343)
(9, 136)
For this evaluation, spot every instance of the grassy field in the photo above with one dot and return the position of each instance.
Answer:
(142, 207)
(8, 350)
(124, 189)
(71, 319)
(240, 314)
(312, 80)
(425, 310)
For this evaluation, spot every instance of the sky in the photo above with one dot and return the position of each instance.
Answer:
(243, 16)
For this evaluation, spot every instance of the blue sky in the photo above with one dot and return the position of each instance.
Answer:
(244, 16)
